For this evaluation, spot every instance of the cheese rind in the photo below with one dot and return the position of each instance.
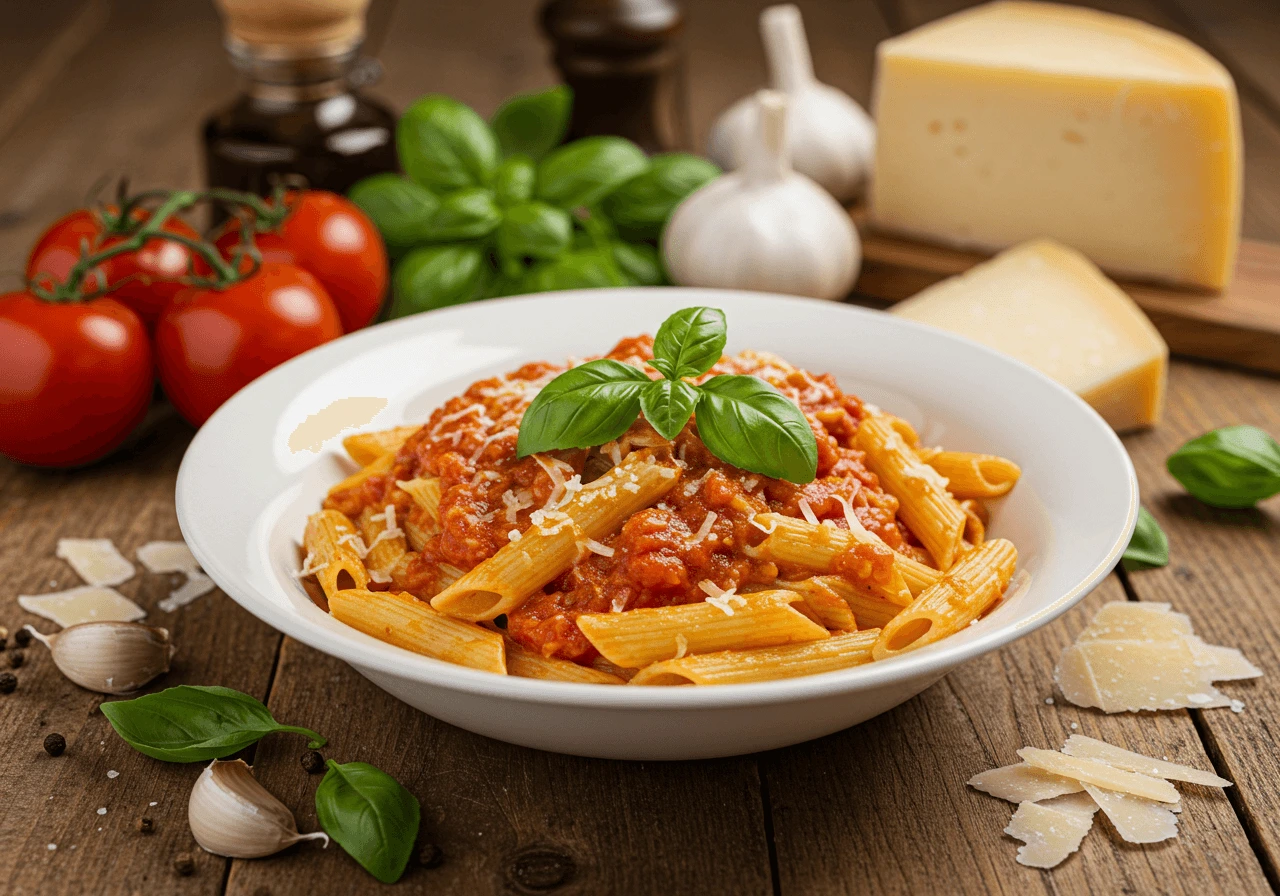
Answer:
(1016, 120)
(1050, 307)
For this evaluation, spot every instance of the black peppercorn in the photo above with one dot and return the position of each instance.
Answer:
(430, 856)
(313, 762)
(146, 825)
(184, 864)
(22, 638)
(8, 682)
(55, 744)
(16, 659)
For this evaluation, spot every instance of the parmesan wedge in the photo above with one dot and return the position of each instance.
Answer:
(1088, 748)
(1091, 771)
(1049, 833)
(1021, 783)
(95, 560)
(1135, 819)
(88, 603)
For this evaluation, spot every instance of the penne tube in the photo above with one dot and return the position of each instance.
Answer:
(823, 604)
(333, 552)
(975, 521)
(764, 663)
(425, 493)
(925, 505)
(386, 549)
(403, 620)
(636, 638)
(916, 575)
(381, 465)
(972, 475)
(550, 546)
(815, 548)
(868, 610)
(965, 592)
(366, 447)
(527, 664)
(902, 428)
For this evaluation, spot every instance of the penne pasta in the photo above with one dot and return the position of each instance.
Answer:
(527, 664)
(381, 465)
(405, 621)
(425, 493)
(822, 603)
(550, 547)
(867, 610)
(366, 447)
(975, 521)
(637, 638)
(965, 592)
(386, 546)
(333, 552)
(916, 575)
(925, 505)
(763, 663)
(972, 475)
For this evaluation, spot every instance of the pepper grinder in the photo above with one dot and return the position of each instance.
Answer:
(624, 62)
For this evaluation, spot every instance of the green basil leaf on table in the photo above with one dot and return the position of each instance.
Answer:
(577, 269)
(444, 145)
(191, 723)
(401, 209)
(689, 342)
(642, 205)
(585, 406)
(465, 214)
(1232, 467)
(533, 123)
(639, 263)
(371, 815)
(534, 229)
(513, 181)
(438, 276)
(746, 422)
(585, 171)
(668, 405)
(1149, 546)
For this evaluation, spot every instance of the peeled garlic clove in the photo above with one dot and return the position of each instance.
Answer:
(232, 815)
(109, 657)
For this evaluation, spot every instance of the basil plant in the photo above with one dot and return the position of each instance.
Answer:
(499, 208)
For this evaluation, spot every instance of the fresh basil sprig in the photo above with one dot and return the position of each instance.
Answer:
(371, 815)
(742, 420)
(191, 723)
(1233, 467)
(1149, 546)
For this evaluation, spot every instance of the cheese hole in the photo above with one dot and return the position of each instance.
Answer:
(909, 633)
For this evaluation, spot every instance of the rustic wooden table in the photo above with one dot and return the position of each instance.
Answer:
(100, 87)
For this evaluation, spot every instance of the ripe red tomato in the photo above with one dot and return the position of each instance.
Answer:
(150, 274)
(334, 240)
(75, 378)
(210, 343)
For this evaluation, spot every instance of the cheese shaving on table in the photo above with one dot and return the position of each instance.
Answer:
(1049, 833)
(88, 603)
(721, 598)
(1135, 819)
(95, 560)
(167, 556)
(1021, 783)
(1090, 771)
(196, 585)
(1117, 757)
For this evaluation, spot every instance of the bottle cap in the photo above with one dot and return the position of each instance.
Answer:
(292, 29)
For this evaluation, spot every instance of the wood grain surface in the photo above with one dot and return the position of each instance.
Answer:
(103, 87)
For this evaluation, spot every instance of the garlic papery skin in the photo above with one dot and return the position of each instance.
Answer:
(109, 657)
(764, 227)
(831, 138)
(232, 815)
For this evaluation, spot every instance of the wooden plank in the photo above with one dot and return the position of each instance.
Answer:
(1224, 572)
(883, 808)
(506, 818)
(128, 499)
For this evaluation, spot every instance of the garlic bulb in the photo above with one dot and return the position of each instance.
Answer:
(764, 227)
(109, 657)
(232, 815)
(831, 139)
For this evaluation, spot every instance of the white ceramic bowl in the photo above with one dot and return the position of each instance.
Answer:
(243, 497)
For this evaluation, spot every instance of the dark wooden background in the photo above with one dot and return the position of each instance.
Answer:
(93, 87)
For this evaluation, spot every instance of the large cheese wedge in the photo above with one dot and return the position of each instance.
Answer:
(1014, 121)
(1048, 306)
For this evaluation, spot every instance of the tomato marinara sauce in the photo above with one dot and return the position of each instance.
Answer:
(696, 541)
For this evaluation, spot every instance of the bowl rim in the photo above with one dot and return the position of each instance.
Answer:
(364, 652)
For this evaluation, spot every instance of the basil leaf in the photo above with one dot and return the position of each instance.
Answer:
(586, 406)
(437, 276)
(371, 816)
(668, 405)
(465, 214)
(1236, 466)
(746, 422)
(689, 342)
(639, 263)
(642, 205)
(578, 269)
(445, 145)
(513, 181)
(401, 209)
(533, 123)
(585, 171)
(190, 723)
(1149, 547)
(534, 229)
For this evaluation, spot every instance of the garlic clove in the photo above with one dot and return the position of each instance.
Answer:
(109, 657)
(232, 815)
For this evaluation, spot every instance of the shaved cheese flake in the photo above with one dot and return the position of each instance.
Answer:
(1135, 819)
(1090, 771)
(95, 560)
(767, 530)
(807, 512)
(196, 585)
(1124, 620)
(691, 488)
(308, 569)
(630, 487)
(596, 547)
(167, 556)
(1048, 834)
(720, 598)
(377, 575)
(682, 645)
(614, 450)
(1021, 783)
(513, 535)
(88, 603)
(355, 542)
(1221, 663)
(1117, 757)
(489, 440)
(704, 530)
(1126, 676)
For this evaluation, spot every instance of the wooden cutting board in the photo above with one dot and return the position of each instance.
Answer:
(1240, 326)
